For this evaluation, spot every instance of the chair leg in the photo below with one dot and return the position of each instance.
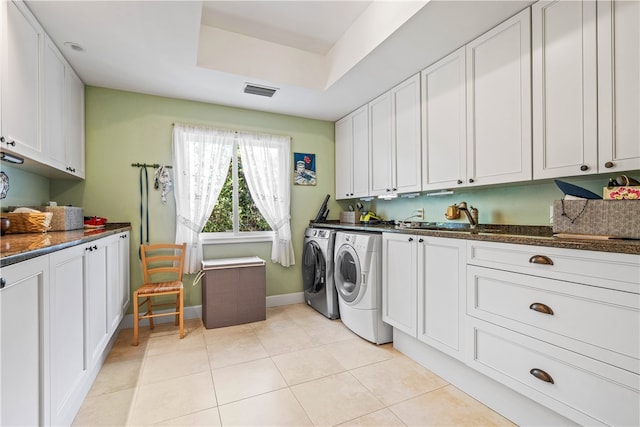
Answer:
(136, 320)
(181, 310)
(177, 309)
(149, 311)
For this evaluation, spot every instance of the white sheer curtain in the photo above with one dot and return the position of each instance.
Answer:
(267, 169)
(201, 159)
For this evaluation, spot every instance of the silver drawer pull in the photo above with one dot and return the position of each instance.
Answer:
(540, 259)
(541, 375)
(541, 308)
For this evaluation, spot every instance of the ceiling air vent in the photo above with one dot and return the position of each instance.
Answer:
(259, 90)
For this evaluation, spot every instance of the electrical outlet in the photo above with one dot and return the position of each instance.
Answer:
(420, 213)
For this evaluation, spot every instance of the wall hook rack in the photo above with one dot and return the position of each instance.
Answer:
(148, 165)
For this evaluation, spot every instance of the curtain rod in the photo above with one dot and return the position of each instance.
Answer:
(148, 165)
(234, 131)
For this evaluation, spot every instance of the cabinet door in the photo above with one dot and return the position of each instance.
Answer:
(360, 153)
(96, 300)
(499, 103)
(441, 293)
(21, 81)
(68, 360)
(618, 85)
(74, 123)
(565, 126)
(399, 281)
(123, 253)
(54, 105)
(444, 131)
(23, 318)
(406, 160)
(381, 145)
(114, 301)
(344, 157)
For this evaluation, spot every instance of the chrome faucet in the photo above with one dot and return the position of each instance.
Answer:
(471, 213)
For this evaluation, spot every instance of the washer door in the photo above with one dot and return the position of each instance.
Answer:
(347, 277)
(314, 267)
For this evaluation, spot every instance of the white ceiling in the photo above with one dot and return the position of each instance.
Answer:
(326, 57)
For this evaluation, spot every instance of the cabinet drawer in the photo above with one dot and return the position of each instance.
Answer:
(600, 323)
(584, 390)
(603, 269)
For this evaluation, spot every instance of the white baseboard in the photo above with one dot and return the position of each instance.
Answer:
(285, 299)
(195, 311)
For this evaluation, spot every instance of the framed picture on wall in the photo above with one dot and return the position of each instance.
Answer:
(304, 169)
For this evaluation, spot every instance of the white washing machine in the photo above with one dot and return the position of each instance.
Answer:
(358, 280)
(317, 271)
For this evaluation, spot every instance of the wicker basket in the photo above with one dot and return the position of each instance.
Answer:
(32, 222)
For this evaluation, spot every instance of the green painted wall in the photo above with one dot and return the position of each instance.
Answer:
(124, 128)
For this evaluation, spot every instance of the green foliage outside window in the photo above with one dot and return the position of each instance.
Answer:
(250, 218)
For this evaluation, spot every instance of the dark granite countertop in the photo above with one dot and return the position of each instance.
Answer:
(21, 247)
(516, 234)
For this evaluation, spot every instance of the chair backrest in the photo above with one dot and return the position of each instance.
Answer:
(162, 259)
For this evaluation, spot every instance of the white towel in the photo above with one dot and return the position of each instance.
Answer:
(163, 181)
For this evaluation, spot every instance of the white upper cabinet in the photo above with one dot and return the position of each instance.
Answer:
(444, 131)
(21, 80)
(381, 144)
(42, 106)
(406, 126)
(63, 113)
(394, 152)
(618, 85)
(565, 126)
(54, 104)
(499, 103)
(352, 155)
(74, 124)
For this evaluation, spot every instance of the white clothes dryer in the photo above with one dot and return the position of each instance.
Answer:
(358, 280)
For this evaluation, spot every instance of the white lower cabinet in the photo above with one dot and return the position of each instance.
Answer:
(123, 266)
(400, 281)
(583, 389)
(542, 335)
(58, 315)
(23, 353)
(423, 289)
(560, 326)
(441, 296)
(67, 333)
(114, 301)
(96, 299)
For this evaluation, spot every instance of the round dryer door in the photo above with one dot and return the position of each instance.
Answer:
(313, 267)
(347, 277)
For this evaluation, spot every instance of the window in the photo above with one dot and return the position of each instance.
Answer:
(235, 213)
(260, 169)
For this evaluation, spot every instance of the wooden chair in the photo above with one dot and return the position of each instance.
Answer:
(162, 266)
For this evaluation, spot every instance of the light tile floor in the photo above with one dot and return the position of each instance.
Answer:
(297, 368)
